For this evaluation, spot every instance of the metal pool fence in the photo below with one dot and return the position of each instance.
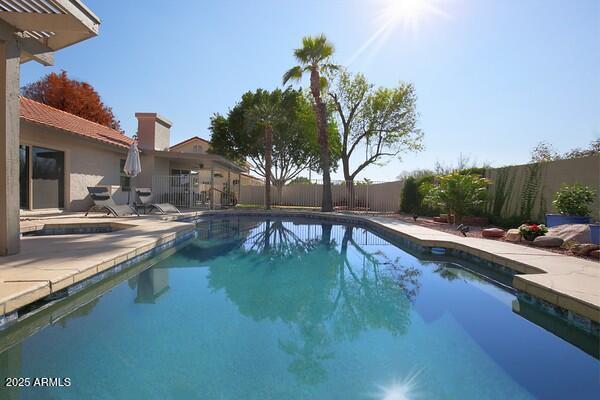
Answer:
(194, 191)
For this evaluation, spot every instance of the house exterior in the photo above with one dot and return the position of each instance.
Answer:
(61, 154)
(29, 33)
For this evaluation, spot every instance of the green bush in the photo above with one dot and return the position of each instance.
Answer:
(457, 194)
(574, 199)
(410, 199)
(513, 221)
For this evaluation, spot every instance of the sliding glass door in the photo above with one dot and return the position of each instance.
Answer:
(24, 177)
(42, 170)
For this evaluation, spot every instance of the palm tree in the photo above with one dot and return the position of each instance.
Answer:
(267, 112)
(314, 57)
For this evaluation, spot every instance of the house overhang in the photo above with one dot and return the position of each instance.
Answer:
(200, 158)
(44, 26)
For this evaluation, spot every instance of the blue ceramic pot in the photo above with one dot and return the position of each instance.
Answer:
(595, 233)
(559, 219)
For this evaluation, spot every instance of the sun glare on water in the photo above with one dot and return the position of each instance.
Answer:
(404, 389)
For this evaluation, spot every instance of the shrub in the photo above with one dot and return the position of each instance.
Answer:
(574, 199)
(456, 193)
(410, 199)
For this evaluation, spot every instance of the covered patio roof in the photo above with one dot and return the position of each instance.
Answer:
(44, 26)
(198, 157)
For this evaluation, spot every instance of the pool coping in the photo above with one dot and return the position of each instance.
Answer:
(533, 270)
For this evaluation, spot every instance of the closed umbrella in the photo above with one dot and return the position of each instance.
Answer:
(133, 166)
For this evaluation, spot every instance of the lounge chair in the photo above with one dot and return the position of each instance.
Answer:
(145, 196)
(103, 201)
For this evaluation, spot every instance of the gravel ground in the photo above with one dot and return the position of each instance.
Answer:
(475, 231)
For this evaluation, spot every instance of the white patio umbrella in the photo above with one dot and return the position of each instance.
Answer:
(133, 166)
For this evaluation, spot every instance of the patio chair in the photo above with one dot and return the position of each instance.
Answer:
(104, 201)
(145, 196)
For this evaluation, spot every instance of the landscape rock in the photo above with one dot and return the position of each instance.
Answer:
(493, 233)
(595, 254)
(548, 241)
(584, 249)
(440, 219)
(513, 235)
(579, 233)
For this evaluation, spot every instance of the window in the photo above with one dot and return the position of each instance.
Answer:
(125, 181)
(197, 148)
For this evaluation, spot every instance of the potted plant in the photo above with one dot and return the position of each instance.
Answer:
(531, 231)
(572, 202)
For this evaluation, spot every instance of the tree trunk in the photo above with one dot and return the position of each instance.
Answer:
(279, 186)
(321, 113)
(268, 162)
(350, 196)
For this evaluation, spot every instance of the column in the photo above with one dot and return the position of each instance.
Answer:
(9, 147)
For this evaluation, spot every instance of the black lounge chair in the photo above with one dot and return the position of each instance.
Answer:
(103, 201)
(145, 196)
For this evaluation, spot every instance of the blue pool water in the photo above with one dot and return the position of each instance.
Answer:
(280, 309)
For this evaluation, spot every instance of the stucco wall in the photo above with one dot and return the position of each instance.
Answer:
(86, 163)
(544, 180)
(189, 147)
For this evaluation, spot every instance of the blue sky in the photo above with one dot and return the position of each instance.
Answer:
(493, 77)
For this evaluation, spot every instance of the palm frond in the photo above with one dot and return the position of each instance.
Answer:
(324, 83)
(315, 49)
(294, 73)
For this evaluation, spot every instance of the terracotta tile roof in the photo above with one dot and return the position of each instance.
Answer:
(42, 114)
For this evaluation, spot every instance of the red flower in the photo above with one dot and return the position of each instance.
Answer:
(534, 228)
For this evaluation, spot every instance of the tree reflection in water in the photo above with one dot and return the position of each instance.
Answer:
(326, 292)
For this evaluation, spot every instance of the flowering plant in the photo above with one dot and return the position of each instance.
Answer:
(531, 231)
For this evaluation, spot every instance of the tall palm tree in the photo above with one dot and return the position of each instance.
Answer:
(314, 57)
(267, 112)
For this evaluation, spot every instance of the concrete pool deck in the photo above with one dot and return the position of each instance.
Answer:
(48, 264)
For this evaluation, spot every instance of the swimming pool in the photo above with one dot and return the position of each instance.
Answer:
(297, 309)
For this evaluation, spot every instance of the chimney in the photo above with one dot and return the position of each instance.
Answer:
(154, 131)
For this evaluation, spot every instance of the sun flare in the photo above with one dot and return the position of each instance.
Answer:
(391, 14)
(409, 12)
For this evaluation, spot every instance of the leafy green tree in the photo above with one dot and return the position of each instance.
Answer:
(314, 58)
(240, 135)
(456, 193)
(382, 122)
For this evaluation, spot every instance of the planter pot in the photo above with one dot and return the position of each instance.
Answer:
(530, 237)
(559, 219)
(595, 233)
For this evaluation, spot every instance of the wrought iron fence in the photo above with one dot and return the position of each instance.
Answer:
(194, 192)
